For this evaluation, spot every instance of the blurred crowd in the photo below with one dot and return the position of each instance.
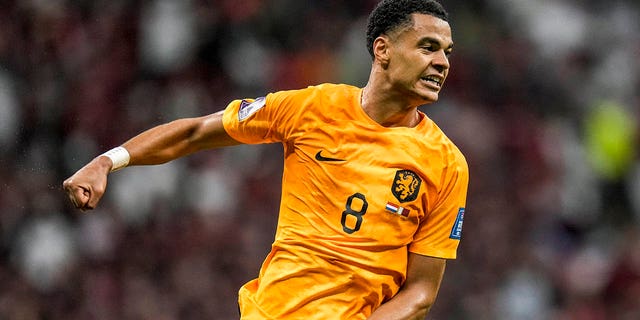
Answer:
(543, 99)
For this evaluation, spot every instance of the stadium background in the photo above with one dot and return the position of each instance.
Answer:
(543, 99)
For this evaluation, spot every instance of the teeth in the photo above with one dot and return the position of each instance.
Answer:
(432, 79)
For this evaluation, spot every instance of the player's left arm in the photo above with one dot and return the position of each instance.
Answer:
(417, 295)
(437, 236)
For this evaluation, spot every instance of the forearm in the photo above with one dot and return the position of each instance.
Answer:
(154, 146)
(176, 139)
(404, 306)
(417, 295)
(162, 143)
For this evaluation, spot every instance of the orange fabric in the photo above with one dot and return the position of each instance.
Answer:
(340, 251)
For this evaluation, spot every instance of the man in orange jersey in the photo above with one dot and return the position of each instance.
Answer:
(373, 191)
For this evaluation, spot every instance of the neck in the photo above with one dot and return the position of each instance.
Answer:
(388, 107)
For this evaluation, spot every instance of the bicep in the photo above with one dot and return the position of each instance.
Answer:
(424, 275)
(419, 291)
(210, 133)
(178, 138)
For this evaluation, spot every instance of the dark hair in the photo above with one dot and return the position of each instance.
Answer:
(388, 15)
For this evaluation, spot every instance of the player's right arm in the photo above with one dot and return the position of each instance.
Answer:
(157, 145)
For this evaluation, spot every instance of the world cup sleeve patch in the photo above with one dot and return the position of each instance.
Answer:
(247, 108)
(456, 231)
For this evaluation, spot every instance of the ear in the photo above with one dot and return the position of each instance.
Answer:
(381, 47)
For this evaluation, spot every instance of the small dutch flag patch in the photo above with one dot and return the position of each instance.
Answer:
(396, 209)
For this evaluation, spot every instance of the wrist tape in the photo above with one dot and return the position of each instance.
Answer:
(119, 157)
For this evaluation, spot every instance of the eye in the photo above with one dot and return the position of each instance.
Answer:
(428, 48)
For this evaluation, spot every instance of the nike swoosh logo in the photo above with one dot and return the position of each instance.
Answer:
(319, 157)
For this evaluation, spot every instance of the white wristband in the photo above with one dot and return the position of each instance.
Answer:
(119, 157)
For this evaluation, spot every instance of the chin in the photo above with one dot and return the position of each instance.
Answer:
(422, 96)
(429, 98)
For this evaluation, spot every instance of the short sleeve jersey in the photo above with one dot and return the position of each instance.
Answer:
(356, 198)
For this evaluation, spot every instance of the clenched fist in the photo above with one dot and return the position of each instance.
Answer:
(86, 187)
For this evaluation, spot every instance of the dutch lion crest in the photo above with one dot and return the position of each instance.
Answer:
(406, 185)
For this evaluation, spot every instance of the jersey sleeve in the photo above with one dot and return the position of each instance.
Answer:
(440, 233)
(266, 119)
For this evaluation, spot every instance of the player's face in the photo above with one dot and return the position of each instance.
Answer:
(419, 58)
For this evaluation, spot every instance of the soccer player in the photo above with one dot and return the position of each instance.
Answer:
(373, 191)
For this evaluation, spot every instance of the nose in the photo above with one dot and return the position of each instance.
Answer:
(440, 61)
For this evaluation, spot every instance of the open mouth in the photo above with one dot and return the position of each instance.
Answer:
(435, 80)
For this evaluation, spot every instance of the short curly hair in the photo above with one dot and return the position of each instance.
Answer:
(389, 15)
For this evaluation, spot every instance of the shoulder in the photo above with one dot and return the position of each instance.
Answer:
(324, 89)
(449, 151)
(320, 96)
(455, 160)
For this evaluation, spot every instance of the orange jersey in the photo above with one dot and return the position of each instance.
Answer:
(356, 198)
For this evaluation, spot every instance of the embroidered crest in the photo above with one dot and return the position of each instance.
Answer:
(406, 185)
